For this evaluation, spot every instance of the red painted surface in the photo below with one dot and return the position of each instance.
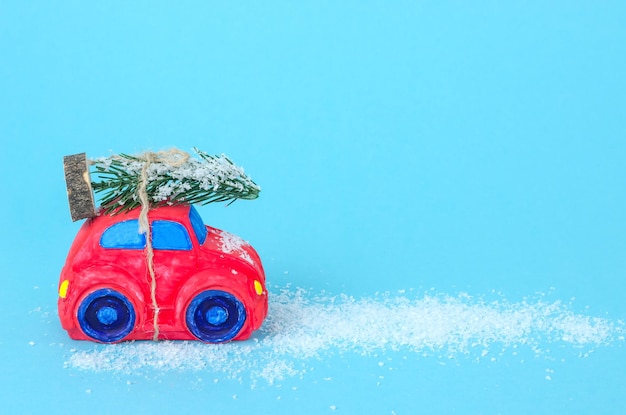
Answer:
(216, 264)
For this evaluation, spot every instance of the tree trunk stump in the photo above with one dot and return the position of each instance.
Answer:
(78, 183)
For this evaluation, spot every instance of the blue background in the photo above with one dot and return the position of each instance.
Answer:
(463, 146)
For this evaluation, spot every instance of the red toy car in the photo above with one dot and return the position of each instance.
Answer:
(210, 284)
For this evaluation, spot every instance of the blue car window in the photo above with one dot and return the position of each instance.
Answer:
(123, 235)
(170, 235)
(197, 224)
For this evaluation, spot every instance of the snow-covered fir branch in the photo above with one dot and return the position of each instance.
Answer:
(200, 180)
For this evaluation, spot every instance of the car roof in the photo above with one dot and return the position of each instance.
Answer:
(177, 212)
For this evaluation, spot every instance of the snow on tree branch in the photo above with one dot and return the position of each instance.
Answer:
(172, 178)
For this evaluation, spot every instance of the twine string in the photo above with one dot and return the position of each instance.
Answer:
(173, 158)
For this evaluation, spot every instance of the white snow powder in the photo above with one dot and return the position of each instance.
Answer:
(234, 244)
(301, 326)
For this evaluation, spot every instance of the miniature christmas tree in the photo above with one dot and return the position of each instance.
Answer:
(171, 177)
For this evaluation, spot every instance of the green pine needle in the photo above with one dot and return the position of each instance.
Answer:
(208, 179)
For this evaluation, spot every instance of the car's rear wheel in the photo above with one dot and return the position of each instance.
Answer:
(106, 315)
(215, 316)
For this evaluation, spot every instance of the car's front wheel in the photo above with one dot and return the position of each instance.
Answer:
(106, 315)
(215, 316)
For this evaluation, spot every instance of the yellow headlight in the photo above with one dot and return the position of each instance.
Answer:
(63, 288)
(258, 287)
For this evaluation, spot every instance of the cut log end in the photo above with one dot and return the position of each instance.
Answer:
(79, 191)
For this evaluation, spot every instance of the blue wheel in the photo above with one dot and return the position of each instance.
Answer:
(106, 315)
(215, 316)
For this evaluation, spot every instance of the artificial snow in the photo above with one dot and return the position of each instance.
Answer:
(233, 244)
(302, 327)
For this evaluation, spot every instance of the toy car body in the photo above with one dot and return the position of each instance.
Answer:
(210, 284)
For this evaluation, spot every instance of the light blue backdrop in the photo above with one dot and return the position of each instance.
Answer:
(471, 147)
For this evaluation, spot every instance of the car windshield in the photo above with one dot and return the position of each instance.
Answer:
(197, 224)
